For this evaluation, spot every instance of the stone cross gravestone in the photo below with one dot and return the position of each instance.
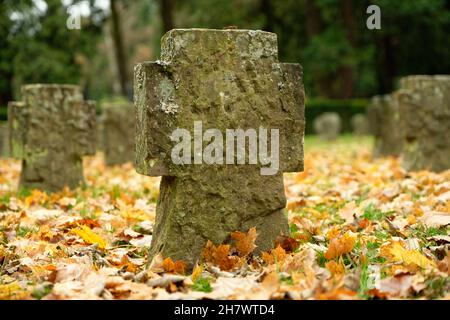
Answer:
(384, 123)
(360, 125)
(216, 82)
(424, 105)
(4, 140)
(50, 130)
(118, 133)
(328, 125)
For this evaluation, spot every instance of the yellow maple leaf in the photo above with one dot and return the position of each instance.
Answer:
(245, 242)
(397, 253)
(89, 236)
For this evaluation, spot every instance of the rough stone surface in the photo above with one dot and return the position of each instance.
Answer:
(51, 129)
(118, 133)
(328, 125)
(4, 140)
(384, 123)
(424, 104)
(228, 79)
(360, 124)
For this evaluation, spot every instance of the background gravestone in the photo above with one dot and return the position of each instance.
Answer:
(424, 104)
(118, 133)
(227, 79)
(360, 124)
(4, 140)
(50, 130)
(328, 125)
(384, 124)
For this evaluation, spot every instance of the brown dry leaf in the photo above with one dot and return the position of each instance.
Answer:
(277, 255)
(436, 219)
(400, 285)
(245, 243)
(219, 256)
(341, 245)
(347, 212)
(156, 265)
(287, 243)
(178, 267)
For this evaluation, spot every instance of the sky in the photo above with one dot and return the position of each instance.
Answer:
(81, 8)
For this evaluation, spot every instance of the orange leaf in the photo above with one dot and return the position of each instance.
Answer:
(341, 245)
(245, 243)
(178, 266)
(276, 255)
(334, 267)
(219, 256)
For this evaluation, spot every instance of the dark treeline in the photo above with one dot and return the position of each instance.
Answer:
(340, 56)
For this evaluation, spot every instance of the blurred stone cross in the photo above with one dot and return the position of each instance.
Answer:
(50, 130)
(118, 133)
(424, 107)
(217, 82)
(384, 123)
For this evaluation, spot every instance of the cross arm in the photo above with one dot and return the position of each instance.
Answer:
(17, 120)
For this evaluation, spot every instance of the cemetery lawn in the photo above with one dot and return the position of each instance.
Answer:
(360, 229)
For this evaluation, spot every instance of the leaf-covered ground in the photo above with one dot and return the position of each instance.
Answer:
(360, 229)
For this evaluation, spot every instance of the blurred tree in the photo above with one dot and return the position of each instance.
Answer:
(45, 50)
(119, 50)
(166, 10)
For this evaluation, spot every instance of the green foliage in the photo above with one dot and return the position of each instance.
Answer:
(202, 284)
(41, 291)
(341, 58)
(373, 214)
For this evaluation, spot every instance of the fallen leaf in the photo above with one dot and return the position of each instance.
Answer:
(219, 256)
(287, 243)
(178, 267)
(347, 212)
(340, 245)
(395, 252)
(89, 236)
(245, 243)
(277, 255)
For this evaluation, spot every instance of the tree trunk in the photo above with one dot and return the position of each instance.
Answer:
(166, 10)
(313, 19)
(386, 62)
(267, 9)
(119, 48)
(347, 72)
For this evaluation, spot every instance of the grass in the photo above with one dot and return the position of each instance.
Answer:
(349, 140)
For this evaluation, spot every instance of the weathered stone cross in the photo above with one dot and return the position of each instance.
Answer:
(220, 79)
(424, 107)
(50, 130)
(384, 122)
(118, 133)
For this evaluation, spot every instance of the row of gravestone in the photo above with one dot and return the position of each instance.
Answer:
(52, 128)
(328, 125)
(414, 123)
(220, 78)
